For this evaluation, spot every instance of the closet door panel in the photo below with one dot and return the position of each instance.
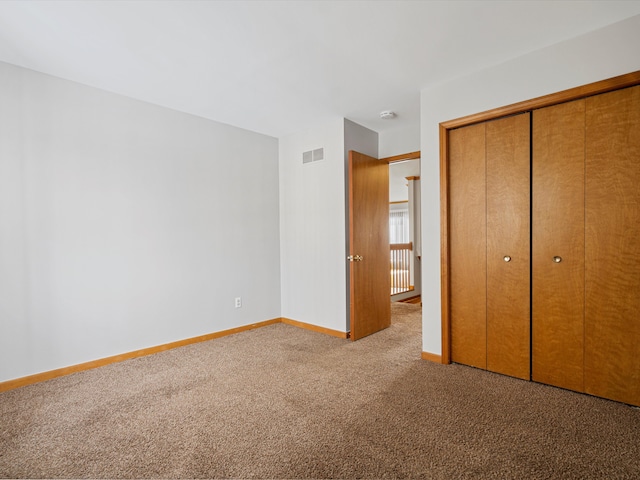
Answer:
(612, 317)
(558, 231)
(508, 252)
(467, 207)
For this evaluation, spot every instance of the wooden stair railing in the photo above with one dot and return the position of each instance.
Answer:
(401, 267)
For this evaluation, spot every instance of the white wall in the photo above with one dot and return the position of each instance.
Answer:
(598, 55)
(360, 139)
(398, 173)
(399, 140)
(312, 227)
(125, 225)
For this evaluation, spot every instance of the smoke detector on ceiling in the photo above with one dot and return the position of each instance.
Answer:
(387, 115)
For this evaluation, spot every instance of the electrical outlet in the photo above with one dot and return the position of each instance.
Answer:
(238, 302)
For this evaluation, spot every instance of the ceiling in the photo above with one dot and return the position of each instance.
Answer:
(277, 67)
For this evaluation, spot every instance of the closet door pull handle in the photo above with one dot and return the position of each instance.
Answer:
(507, 258)
(557, 259)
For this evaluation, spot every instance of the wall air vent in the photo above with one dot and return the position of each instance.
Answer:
(313, 155)
(307, 157)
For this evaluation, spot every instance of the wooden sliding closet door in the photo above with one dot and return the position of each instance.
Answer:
(468, 247)
(558, 245)
(543, 259)
(612, 322)
(489, 246)
(508, 228)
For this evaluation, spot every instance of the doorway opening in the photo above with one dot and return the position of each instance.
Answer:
(404, 228)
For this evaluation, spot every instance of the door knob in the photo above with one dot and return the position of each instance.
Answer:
(354, 258)
(507, 258)
(557, 259)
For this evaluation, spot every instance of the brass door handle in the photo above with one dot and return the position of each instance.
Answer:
(354, 258)
(507, 258)
(557, 259)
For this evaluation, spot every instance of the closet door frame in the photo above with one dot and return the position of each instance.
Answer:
(604, 86)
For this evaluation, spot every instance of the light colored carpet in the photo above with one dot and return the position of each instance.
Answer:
(282, 402)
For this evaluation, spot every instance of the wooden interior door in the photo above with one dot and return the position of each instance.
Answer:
(468, 244)
(369, 268)
(558, 233)
(508, 253)
(612, 317)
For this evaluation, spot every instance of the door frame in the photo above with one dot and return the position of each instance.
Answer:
(603, 86)
(403, 157)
